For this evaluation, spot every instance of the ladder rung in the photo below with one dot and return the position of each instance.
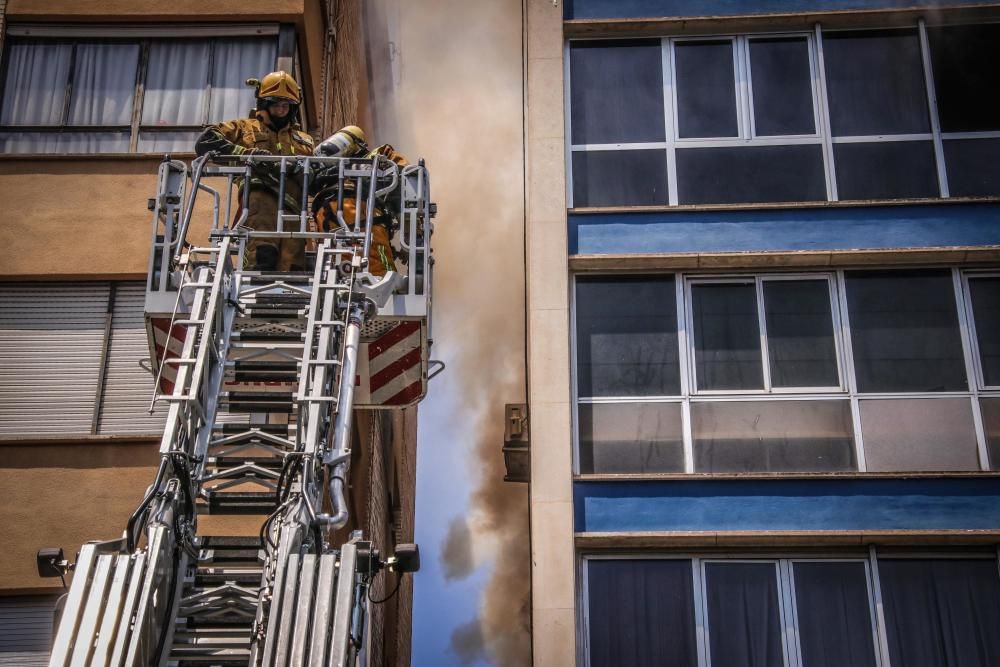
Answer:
(177, 361)
(327, 362)
(329, 323)
(196, 323)
(321, 399)
(196, 284)
(174, 399)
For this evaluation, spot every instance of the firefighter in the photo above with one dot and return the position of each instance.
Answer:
(272, 130)
(350, 142)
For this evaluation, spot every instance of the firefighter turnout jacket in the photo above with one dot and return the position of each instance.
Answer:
(250, 136)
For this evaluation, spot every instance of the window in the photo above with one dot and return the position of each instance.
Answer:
(632, 603)
(936, 611)
(744, 617)
(631, 437)
(734, 611)
(856, 370)
(56, 343)
(706, 89)
(834, 611)
(120, 96)
(782, 87)
(616, 94)
(793, 117)
(919, 434)
(984, 297)
(772, 436)
(991, 424)
(626, 336)
(791, 319)
(905, 332)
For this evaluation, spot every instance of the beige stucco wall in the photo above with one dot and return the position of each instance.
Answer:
(306, 15)
(63, 495)
(553, 597)
(80, 219)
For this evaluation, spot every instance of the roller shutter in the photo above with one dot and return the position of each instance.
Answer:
(26, 629)
(51, 341)
(128, 387)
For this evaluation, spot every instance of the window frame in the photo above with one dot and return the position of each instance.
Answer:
(758, 280)
(745, 112)
(143, 37)
(785, 561)
(977, 363)
(848, 390)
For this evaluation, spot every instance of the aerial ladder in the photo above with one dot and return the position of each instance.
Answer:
(260, 373)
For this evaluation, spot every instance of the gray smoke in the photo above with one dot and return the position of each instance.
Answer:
(454, 69)
(467, 642)
(457, 559)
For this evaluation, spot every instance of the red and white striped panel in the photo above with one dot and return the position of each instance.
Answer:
(174, 344)
(390, 368)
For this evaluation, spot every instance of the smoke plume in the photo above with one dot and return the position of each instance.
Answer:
(456, 553)
(456, 78)
(467, 642)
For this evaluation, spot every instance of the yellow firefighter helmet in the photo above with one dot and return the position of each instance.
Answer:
(279, 86)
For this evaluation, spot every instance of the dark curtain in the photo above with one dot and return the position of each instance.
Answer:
(942, 613)
(835, 623)
(641, 613)
(743, 619)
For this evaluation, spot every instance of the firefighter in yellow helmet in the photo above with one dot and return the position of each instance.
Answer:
(350, 142)
(272, 130)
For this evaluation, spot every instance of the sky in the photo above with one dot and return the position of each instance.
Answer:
(451, 93)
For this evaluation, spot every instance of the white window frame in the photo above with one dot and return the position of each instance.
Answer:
(784, 562)
(758, 281)
(974, 337)
(848, 391)
(745, 114)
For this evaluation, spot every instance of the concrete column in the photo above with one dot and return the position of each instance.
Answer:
(552, 551)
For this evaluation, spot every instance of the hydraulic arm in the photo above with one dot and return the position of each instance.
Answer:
(260, 374)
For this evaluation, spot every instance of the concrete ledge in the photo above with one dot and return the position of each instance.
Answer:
(789, 506)
(783, 539)
(587, 18)
(794, 259)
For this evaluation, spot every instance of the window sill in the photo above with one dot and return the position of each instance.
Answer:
(801, 259)
(702, 476)
(75, 440)
(751, 22)
(785, 540)
(768, 206)
(76, 157)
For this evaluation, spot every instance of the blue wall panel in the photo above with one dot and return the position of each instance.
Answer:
(789, 505)
(627, 9)
(833, 228)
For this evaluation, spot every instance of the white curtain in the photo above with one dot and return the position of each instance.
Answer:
(104, 84)
(237, 60)
(176, 84)
(36, 84)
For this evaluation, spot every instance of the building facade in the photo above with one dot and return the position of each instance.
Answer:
(94, 96)
(763, 327)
